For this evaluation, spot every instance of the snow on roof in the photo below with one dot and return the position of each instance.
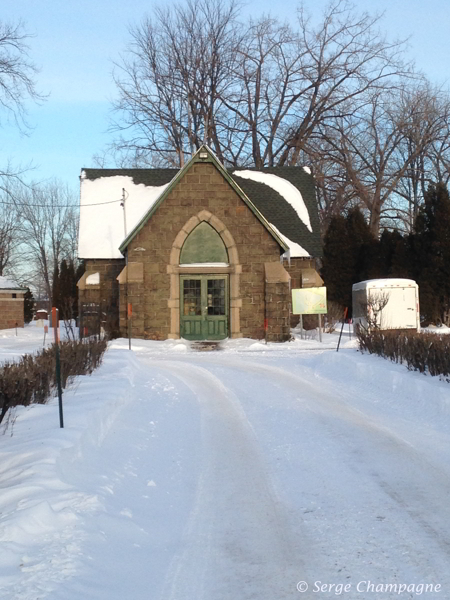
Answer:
(101, 213)
(8, 284)
(285, 188)
(382, 283)
(307, 170)
(295, 250)
(93, 279)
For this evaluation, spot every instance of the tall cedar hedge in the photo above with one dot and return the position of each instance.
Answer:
(352, 254)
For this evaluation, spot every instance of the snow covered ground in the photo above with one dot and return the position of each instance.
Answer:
(246, 473)
(26, 340)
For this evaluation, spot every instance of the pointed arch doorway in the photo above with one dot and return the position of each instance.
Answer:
(204, 273)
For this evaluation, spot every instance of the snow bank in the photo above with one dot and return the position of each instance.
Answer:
(285, 188)
(29, 339)
(102, 216)
(182, 474)
(38, 509)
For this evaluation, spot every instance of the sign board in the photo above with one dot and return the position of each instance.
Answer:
(309, 301)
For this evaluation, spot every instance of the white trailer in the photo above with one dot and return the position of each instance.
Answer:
(386, 304)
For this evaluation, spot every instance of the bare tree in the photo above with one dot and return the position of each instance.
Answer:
(10, 221)
(256, 92)
(335, 94)
(48, 229)
(17, 72)
(17, 85)
(9, 234)
(424, 150)
(371, 310)
(172, 79)
(378, 146)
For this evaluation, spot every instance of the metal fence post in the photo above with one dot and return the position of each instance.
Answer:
(58, 365)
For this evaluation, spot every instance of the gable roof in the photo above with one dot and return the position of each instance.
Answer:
(101, 220)
(282, 213)
(9, 284)
(208, 156)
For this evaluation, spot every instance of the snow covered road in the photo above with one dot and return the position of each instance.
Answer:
(236, 475)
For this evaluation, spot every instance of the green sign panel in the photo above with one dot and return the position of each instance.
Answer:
(309, 301)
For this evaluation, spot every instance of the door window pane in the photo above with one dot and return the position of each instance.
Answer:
(216, 296)
(192, 296)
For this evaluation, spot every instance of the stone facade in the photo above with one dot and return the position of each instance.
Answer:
(169, 283)
(202, 194)
(295, 271)
(278, 311)
(105, 294)
(11, 309)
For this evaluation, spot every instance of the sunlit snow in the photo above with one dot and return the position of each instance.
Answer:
(231, 474)
(295, 250)
(93, 279)
(102, 223)
(7, 284)
(285, 188)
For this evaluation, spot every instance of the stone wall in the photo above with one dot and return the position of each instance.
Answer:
(11, 310)
(106, 294)
(278, 310)
(202, 187)
(295, 271)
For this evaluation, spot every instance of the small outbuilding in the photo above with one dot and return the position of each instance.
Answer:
(201, 252)
(11, 304)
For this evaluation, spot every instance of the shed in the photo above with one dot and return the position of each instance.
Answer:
(11, 304)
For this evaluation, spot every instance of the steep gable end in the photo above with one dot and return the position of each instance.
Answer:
(203, 155)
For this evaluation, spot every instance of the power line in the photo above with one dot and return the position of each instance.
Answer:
(56, 205)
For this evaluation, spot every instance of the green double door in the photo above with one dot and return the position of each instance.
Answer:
(204, 307)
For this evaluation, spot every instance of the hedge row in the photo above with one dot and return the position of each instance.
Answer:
(32, 379)
(424, 352)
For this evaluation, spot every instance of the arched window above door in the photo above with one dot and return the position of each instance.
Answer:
(203, 245)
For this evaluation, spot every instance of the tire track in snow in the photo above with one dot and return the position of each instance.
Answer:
(238, 542)
(415, 488)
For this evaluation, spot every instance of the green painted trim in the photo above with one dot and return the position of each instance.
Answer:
(196, 159)
(204, 319)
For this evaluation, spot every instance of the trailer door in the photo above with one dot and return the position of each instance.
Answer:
(400, 311)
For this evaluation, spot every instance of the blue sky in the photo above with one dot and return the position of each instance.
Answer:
(75, 43)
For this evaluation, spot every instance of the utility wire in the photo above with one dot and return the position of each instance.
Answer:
(57, 205)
